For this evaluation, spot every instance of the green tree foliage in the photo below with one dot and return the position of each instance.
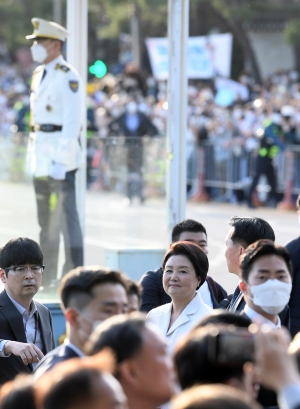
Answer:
(15, 19)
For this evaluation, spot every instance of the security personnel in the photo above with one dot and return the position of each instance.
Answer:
(270, 145)
(54, 153)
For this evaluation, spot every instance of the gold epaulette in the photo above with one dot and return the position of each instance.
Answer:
(63, 68)
(38, 69)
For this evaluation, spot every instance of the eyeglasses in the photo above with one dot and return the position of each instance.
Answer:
(22, 270)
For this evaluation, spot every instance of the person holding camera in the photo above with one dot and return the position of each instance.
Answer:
(185, 269)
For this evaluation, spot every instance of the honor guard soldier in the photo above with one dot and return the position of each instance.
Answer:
(54, 152)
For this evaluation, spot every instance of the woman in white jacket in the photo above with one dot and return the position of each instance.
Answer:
(185, 268)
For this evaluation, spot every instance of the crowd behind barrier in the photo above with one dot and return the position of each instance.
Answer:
(226, 123)
(221, 173)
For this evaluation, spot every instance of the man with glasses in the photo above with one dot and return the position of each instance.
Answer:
(26, 332)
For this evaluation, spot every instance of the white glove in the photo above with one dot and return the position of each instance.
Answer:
(57, 171)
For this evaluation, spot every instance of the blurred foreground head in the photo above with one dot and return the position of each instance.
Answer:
(213, 397)
(143, 364)
(80, 384)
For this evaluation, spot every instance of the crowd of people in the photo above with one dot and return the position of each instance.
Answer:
(226, 117)
(197, 347)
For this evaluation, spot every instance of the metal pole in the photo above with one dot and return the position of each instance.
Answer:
(77, 23)
(135, 36)
(178, 22)
(57, 15)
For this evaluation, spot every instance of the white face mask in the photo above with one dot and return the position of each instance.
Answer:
(38, 52)
(272, 296)
(298, 218)
(131, 107)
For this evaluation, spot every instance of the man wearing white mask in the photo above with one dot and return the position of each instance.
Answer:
(266, 273)
(89, 295)
(54, 152)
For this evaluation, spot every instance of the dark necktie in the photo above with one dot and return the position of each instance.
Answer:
(44, 74)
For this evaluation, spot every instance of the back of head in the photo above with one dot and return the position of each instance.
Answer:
(223, 317)
(123, 334)
(187, 225)
(20, 251)
(17, 391)
(74, 383)
(213, 397)
(193, 253)
(248, 230)
(195, 365)
(259, 249)
(76, 288)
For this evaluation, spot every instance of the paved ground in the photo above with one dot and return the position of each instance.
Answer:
(111, 224)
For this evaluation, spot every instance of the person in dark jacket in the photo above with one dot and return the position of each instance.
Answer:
(293, 248)
(153, 294)
(245, 231)
(133, 125)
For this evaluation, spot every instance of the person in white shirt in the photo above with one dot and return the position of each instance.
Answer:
(266, 273)
(54, 152)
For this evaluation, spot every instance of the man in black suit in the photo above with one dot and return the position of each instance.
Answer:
(26, 332)
(89, 295)
(133, 125)
(153, 294)
(294, 303)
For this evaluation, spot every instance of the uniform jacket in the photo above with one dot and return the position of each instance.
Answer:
(57, 100)
(294, 304)
(154, 294)
(12, 328)
(193, 312)
(59, 354)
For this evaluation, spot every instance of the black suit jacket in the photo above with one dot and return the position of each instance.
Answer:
(154, 295)
(59, 354)
(12, 328)
(294, 303)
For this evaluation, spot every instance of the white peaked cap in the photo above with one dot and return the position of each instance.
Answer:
(47, 29)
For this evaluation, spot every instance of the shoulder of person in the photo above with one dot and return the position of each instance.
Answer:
(159, 310)
(293, 244)
(153, 273)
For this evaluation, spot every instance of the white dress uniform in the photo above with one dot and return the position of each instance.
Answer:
(54, 152)
(56, 100)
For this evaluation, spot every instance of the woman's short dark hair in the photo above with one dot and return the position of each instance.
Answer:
(259, 249)
(195, 255)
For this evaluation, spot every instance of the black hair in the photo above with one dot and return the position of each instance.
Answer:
(224, 317)
(187, 225)
(76, 287)
(193, 363)
(194, 253)
(21, 389)
(134, 288)
(259, 249)
(248, 230)
(20, 251)
(123, 334)
(73, 389)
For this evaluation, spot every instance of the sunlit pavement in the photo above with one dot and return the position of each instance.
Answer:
(112, 223)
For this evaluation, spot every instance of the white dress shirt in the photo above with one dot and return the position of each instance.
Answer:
(30, 321)
(259, 319)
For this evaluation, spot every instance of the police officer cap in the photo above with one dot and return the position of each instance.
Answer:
(47, 29)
